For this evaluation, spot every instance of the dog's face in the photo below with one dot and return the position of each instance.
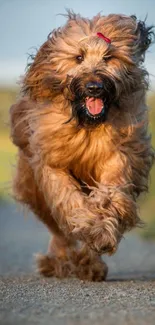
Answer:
(93, 63)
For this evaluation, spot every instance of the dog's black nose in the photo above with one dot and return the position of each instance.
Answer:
(94, 87)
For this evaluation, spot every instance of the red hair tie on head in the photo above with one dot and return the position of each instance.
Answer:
(106, 39)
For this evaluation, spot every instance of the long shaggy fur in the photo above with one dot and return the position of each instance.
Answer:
(82, 177)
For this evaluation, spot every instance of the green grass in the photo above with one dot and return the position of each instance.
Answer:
(148, 206)
(8, 153)
(7, 150)
(7, 159)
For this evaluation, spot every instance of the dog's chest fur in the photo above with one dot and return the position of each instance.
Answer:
(81, 151)
(88, 156)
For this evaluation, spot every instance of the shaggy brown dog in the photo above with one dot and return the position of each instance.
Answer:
(81, 126)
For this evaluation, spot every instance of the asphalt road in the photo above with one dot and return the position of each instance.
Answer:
(128, 296)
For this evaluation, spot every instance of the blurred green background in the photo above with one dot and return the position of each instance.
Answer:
(8, 157)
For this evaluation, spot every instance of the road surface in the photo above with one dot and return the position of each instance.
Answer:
(128, 296)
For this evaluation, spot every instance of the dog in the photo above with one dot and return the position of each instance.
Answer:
(81, 127)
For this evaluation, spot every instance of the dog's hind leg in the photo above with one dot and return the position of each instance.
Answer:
(58, 261)
(65, 259)
(89, 265)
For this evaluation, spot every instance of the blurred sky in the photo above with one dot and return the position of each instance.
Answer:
(26, 23)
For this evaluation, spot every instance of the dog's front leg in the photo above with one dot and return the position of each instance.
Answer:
(112, 201)
(116, 212)
(64, 197)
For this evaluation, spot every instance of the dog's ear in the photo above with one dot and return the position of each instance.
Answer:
(145, 37)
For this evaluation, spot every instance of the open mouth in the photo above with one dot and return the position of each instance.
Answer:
(90, 110)
(95, 106)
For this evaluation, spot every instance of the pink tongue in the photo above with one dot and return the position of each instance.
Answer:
(94, 105)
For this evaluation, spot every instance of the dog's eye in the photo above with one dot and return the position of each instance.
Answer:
(79, 58)
(106, 58)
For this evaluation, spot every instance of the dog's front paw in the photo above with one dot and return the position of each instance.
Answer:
(101, 234)
(104, 237)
